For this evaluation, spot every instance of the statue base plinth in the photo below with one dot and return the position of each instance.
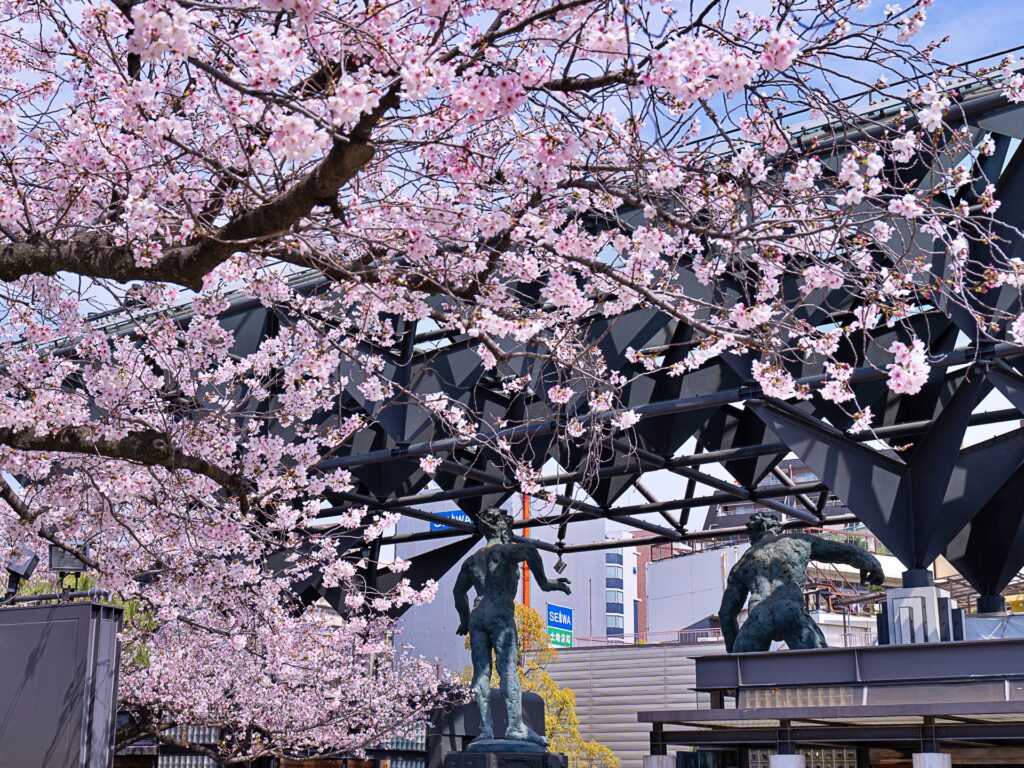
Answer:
(503, 753)
(504, 745)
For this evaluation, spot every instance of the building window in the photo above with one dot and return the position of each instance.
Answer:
(613, 557)
(615, 625)
(613, 576)
(613, 601)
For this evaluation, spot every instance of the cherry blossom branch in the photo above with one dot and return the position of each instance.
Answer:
(147, 447)
(96, 256)
(47, 532)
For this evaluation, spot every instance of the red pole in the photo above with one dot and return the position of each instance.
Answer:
(526, 570)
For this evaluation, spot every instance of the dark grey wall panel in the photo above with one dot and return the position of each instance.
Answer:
(58, 685)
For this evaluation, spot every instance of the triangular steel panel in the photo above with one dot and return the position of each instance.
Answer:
(980, 471)
(732, 427)
(1009, 384)
(427, 566)
(869, 483)
(989, 551)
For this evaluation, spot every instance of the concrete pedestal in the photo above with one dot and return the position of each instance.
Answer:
(918, 614)
(512, 758)
(789, 761)
(659, 761)
(933, 760)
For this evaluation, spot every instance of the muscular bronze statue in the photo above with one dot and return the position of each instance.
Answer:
(494, 573)
(773, 573)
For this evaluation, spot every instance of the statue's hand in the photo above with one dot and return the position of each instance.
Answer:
(873, 576)
(560, 585)
(462, 630)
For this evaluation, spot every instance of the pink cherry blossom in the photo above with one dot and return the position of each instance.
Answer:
(780, 50)
(909, 370)
(503, 183)
(862, 421)
(906, 206)
(430, 464)
(803, 176)
(626, 419)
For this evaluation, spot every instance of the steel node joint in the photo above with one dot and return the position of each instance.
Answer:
(751, 392)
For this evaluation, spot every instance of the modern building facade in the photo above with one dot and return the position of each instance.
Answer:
(622, 595)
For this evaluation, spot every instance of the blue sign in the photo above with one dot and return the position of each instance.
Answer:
(452, 514)
(560, 617)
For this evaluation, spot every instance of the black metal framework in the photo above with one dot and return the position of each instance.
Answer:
(936, 499)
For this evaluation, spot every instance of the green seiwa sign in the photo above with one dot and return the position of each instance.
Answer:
(559, 626)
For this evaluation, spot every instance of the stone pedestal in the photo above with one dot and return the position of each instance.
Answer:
(933, 760)
(497, 755)
(918, 614)
(789, 761)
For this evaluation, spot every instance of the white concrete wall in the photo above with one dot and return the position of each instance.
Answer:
(584, 569)
(682, 591)
(842, 631)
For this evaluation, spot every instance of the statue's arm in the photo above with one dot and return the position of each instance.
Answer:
(732, 603)
(533, 559)
(461, 591)
(825, 551)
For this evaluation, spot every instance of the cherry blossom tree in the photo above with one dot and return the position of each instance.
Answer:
(503, 171)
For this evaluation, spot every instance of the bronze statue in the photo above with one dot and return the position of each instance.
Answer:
(773, 573)
(493, 572)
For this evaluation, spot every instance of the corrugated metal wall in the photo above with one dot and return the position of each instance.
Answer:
(613, 683)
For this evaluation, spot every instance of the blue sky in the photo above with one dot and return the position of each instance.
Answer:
(975, 27)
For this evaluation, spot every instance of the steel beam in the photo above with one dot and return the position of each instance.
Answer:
(803, 498)
(651, 410)
(651, 499)
(643, 525)
(715, 533)
(887, 432)
(419, 514)
(695, 459)
(808, 517)
(661, 538)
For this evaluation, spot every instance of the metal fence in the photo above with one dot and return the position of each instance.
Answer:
(678, 637)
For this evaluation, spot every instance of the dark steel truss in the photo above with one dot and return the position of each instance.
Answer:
(938, 499)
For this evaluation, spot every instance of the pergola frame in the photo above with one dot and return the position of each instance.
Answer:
(719, 407)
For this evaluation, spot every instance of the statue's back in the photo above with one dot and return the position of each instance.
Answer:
(495, 573)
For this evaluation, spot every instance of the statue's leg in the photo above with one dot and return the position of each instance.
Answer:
(480, 648)
(755, 634)
(805, 633)
(506, 654)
